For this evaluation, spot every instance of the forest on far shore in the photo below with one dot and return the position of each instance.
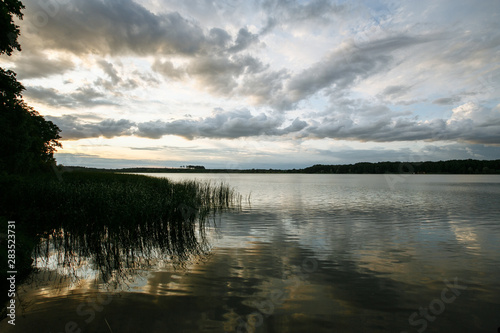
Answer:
(441, 167)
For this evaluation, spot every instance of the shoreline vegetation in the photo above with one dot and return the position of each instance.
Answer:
(113, 222)
(468, 166)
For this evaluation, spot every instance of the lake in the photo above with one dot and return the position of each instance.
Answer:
(301, 253)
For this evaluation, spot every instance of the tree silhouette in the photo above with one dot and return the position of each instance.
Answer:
(9, 31)
(28, 141)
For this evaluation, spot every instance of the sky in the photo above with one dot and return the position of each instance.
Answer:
(263, 84)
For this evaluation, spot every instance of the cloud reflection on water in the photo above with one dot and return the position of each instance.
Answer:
(378, 259)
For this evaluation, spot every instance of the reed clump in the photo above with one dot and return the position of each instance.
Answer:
(90, 199)
(113, 220)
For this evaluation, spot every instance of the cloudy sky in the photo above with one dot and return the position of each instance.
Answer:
(263, 84)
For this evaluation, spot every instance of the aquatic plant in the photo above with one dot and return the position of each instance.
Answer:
(116, 222)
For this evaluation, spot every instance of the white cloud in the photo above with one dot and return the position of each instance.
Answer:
(467, 111)
(287, 71)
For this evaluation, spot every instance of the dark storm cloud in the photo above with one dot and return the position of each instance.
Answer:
(74, 129)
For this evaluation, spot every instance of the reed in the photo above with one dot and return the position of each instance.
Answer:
(117, 222)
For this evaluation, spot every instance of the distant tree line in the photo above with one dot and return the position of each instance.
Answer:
(442, 167)
(195, 167)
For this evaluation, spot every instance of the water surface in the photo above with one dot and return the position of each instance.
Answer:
(319, 253)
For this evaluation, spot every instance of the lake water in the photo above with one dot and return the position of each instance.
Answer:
(304, 253)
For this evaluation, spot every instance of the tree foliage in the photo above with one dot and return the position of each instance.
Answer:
(447, 167)
(28, 141)
(9, 30)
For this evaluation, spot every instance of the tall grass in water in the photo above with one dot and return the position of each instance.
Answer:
(116, 222)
